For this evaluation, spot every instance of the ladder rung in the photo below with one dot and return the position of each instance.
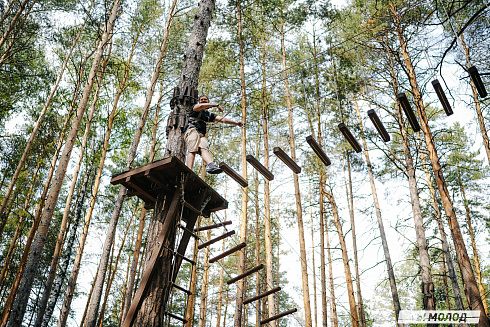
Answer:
(181, 289)
(260, 168)
(171, 315)
(278, 316)
(181, 255)
(185, 229)
(214, 240)
(224, 223)
(233, 174)
(245, 274)
(227, 253)
(258, 297)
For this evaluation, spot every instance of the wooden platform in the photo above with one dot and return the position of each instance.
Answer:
(162, 177)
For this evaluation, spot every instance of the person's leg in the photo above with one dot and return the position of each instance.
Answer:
(206, 156)
(189, 161)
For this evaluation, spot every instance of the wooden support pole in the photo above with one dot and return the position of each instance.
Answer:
(379, 125)
(214, 240)
(287, 160)
(318, 150)
(171, 315)
(224, 223)
(350, 138)
(260, 168)
(233, 174)
(402, 98)
(258, 297)
(245, 274)
(263, 322)
(227, 253)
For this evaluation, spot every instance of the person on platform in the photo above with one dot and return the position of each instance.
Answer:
(195, 133)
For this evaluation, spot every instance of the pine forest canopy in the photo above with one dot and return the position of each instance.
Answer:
(376, 112)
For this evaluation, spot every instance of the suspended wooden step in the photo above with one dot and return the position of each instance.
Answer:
(260, 168)
(350, 138)
(379, 125)
(258, 297)
(442, 97)
(227, 253)
(224, 223)
(181, 289)
(475, 77)
(287, 160)
(171, 315)
(214, 240)
(185, 229)
(233, 174)
(318, 150)
(402, 98)
(245, 274)
(263, 322)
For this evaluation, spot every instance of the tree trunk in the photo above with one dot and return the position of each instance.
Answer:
(315, 310)
(189, 315)
(299, 210)
(204, 284)
(243, 220)
(345, 258)
(220, 292)
(37, 125)
(473, 244)
(14, 20)
(335, 320)
(350, 197)
(468, 276)
(257, 234)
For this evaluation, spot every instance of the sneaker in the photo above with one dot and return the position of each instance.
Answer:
(212, 168)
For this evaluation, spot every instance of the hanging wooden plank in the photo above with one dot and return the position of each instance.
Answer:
(378, 124)
(224, 223)
(227, 253)
(260, 168)
(287, 160)
(442, 97)
(233, 174)
(475, 77)
(263, 322)
(258, 297)
(245, 274)
(214, 240)
(402, 98)
(350, 138)
(318, 150)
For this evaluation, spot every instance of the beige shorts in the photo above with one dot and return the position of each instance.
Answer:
(194, 141)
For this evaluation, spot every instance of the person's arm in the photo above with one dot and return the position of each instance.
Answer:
(204, 106)
(225, 120)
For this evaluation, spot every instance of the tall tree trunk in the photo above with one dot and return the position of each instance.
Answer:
(37, 125)
(468, 276)
(267, 201)
(299, 210)
(345, 258)
(220, 292)
(204, 284)
(257, 234)
(315, 310)
(14, 20)
(333, 304)
(189, 315)
(445, 245)
(473, 243)
(243, 219)
(350, 197)
(384, 241)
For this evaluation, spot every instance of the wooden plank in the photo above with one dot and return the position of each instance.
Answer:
(233, 174)
(263, 322)
(157, 165)
(181, 289)
(131, 183)
(318, 150)
(260, 168)
(227, 253)
(224, 223)
(258, 297)
(350, 138)
(379, 125)
(287, 160)
(245, 274)
(171, 315)
(214, 240)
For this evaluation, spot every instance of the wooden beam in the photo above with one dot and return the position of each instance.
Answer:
(379, 125)
(318, 150)
(287, 160)
(350, 138)
(263, 322)
(475, 77)
(258, 297)
(214, 240)
(129, 183)
(260, 168)
(181, 289)
(186, 230)
(227, 253)
(402, 98)
(171, 315)
(442, 97)
(233, 174)
(245, 274)
(224, 223)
